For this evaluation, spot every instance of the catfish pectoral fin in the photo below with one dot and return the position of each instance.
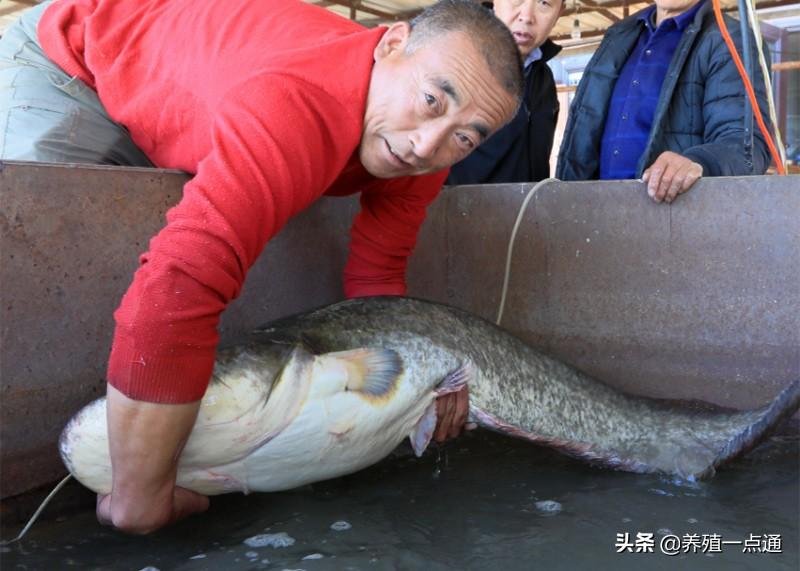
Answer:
(456, 380)
(375, 373)
(421, 436)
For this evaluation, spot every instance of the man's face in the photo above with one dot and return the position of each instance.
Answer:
(429, 109)
(530, 21)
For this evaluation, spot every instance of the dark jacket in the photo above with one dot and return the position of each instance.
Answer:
(700, 113)
(520, 151)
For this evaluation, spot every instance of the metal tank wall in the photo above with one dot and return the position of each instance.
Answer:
(695, 300)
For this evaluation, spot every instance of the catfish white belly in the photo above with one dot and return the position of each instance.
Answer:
(273, 420)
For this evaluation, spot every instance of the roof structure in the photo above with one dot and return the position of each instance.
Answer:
(593, 17)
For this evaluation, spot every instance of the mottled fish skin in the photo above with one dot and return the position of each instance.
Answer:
(519, 391)
(279, 412)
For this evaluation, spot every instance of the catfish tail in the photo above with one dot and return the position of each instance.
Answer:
(772, 415)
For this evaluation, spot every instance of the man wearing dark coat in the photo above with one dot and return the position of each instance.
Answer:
(520, 151)
(661, 100)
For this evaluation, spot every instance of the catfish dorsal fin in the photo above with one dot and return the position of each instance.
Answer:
(374, 373)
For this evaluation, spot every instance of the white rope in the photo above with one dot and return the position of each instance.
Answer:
(773, 116)
(510, 251)
(38, 511)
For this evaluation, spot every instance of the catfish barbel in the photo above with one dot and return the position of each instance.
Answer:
(334, 390)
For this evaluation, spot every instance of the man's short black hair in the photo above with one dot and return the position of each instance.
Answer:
(491, 37)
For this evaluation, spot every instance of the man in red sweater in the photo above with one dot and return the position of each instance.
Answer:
(270, 105)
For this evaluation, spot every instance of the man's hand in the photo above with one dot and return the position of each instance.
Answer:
(451, 414)
(670, 175)
(130, 516)
(145, 441)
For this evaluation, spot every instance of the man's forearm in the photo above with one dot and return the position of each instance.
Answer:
(145, 441)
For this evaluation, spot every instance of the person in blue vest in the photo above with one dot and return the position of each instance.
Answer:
(661, 100)
(520, 151)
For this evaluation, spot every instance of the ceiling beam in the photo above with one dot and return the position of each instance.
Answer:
(592, 34)
(601, 10)
(387, 16)
(588, 6)
(622, 4)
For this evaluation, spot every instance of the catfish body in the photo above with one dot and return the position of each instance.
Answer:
(331, 391)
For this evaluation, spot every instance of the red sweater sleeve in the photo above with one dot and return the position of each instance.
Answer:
(264, 167)
(385, 232)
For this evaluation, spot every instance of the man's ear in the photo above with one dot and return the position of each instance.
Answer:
(394, 41)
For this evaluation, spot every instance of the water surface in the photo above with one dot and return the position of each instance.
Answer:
(480, 502)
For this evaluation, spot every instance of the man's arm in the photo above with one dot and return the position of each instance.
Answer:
(146, 440)
(384, 234)
(383, 237)
(263, 167)
(722, 152)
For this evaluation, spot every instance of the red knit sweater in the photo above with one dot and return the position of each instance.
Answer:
(264, 102)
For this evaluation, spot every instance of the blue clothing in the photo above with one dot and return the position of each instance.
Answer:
(636, 93)
(700, 107)
(535, 55)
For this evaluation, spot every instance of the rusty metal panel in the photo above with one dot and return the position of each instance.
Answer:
(696, 300)
(69, 242)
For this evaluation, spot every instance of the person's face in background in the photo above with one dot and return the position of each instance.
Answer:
(530, 21)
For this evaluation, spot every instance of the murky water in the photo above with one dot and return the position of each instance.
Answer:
(483, 502)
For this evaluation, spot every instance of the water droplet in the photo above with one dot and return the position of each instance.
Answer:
(281, 539)
(340, 526)
(313, 556)
(548, 507)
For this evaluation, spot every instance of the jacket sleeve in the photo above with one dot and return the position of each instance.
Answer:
(273, 153)
(579, 154)
(723, 152)
(385, 232)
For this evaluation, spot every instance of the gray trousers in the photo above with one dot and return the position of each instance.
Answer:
(48, 116)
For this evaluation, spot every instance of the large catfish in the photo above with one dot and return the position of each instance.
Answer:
(332, 391)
